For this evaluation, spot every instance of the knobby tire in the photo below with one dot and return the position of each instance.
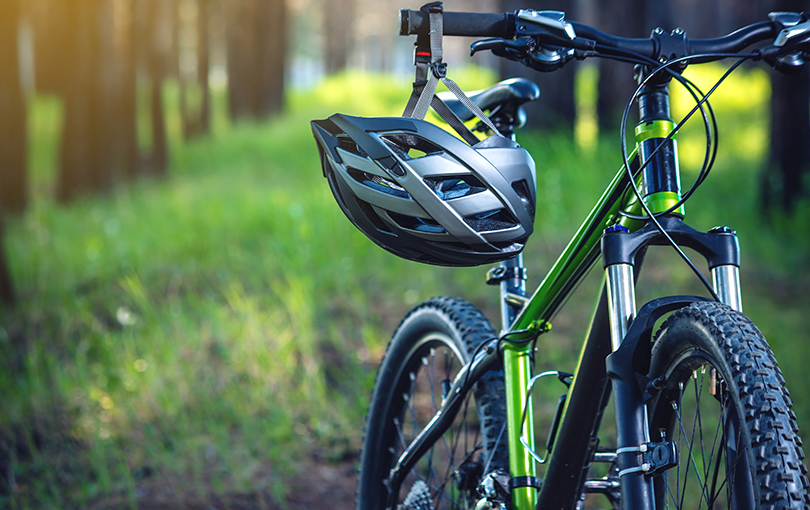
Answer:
(431, 344)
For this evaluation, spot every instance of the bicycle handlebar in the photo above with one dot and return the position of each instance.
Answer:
(653, 47)
(522, 24)
(471, 24)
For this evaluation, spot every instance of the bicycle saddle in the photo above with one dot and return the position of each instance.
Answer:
(503, 100)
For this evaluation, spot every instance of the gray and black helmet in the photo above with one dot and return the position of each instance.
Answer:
(425, 195)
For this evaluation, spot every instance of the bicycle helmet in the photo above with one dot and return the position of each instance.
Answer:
(425, 195)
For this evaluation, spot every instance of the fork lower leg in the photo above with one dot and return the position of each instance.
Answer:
(631, 419)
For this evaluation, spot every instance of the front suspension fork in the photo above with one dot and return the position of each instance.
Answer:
(619, 250)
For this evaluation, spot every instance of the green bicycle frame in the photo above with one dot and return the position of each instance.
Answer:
(575, 261)
(571, 266)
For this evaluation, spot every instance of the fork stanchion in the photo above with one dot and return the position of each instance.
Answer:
(726, 282)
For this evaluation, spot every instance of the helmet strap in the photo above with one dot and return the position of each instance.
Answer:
(429, 70)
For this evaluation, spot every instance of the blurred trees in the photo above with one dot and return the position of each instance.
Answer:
(86, 149)
(109, 61)
(616, 83)
(13, 183)
(338, 33)
(786, 177)
(257, 48)
(194, 38)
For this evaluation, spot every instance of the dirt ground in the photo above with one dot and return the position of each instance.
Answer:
(318, 485)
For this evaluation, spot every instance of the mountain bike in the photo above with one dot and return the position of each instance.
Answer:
(702, 415)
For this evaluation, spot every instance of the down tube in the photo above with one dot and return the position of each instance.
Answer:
(578, 257)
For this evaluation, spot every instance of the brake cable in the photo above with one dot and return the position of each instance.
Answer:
(636, 191)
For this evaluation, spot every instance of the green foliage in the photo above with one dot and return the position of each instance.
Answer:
(205, 331)
(210, 326)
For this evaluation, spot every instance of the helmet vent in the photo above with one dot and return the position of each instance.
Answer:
(455, 187)
(378, 183)
(521, 187)
(373, 217)
(411, 147)
(418, 224)
(349, 145)
(490, 221)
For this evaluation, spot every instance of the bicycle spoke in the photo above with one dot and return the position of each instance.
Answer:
(698, 417)
(440, 465)
(431, 377)
(729, 479)
(711, 449)
(698, 423)
(718, 433)
(674, 497)
(691, 457)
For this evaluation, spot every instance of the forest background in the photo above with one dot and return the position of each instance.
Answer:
(187, 319)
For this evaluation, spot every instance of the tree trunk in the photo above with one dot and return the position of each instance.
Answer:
(337, 32)
(129, 96)
(108, 73)
(197, 117)
(203, 63)
(13, 184)
(555, 109)
(158, 161)
(159, 23)
(6, 288)
(79, 168)
(13, 149)
(784, 178)
(274, 56)
(616, 82)
(257, 34)
(51, 36)
(240, 49)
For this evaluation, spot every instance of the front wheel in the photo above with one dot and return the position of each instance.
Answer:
(725, 405)
(433, 342)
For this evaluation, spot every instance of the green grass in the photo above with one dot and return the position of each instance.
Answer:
(205, 332)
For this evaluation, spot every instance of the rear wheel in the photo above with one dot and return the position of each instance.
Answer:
(725, 404)
(430, 346)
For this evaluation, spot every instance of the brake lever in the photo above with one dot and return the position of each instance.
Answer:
(788, 53)
(525, 50)
(792, 32)
(507, 48)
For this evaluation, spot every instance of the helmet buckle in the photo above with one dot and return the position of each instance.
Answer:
(439, 69)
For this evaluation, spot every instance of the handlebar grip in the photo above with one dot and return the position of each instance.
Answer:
(736, 41)
(472, 24)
